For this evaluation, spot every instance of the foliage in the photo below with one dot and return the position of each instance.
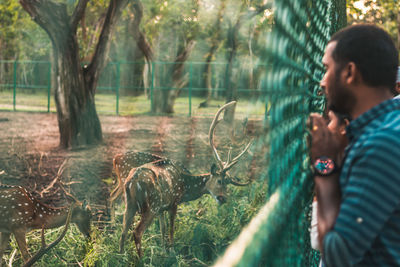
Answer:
(381, 12)
(20, 38)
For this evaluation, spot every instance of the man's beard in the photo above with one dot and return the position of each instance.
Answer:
(340, 98)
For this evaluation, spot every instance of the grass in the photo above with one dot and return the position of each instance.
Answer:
(106, 104)
(203, 231)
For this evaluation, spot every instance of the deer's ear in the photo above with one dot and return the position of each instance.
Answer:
(214, 169)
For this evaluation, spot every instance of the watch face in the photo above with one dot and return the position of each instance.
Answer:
(324, 165)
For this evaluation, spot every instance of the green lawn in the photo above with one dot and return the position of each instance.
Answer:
(106, 104)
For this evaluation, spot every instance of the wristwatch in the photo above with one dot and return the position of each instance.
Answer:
(324, 166)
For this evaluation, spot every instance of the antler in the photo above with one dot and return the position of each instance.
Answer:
(212, 132)
(43, 250)
(230, 162)
(69, 195)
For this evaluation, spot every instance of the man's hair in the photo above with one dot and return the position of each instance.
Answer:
(372, 50)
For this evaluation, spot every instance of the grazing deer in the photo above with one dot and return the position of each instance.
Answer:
(20, 213)
(161, 185)
(123, 164)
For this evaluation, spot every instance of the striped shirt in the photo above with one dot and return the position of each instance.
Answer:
(367, 230)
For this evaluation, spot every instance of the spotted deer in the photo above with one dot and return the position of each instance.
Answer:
(20, 213)
(161, 185)
(123, 164)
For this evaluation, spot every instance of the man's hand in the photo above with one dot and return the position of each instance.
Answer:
(323, 141)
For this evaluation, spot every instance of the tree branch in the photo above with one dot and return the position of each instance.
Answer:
(78, 14)
(101, 53)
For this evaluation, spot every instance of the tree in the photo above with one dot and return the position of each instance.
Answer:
(381, 12)
(141, 50)
(73, 82)
(215, 33)
(177, 27)
(233, 35)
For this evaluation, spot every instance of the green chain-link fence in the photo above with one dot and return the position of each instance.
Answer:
(279, 234)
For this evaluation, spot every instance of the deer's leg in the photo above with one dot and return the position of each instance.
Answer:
(129, 215)
(145, 221)
(4, 239)
(21, 241)
(161, 219)
(172, 216)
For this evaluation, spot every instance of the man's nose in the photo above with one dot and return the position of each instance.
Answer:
(322, 83)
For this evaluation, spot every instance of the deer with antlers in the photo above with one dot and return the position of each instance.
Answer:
(20, 213)
(161, 185)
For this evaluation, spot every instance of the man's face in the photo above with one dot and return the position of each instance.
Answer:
(339, 97)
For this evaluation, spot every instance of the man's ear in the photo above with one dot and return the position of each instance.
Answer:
(342, 130)
(350, 72)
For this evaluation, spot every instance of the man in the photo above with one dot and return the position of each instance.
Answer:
(359, 199)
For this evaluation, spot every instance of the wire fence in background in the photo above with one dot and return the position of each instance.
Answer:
(122, 89)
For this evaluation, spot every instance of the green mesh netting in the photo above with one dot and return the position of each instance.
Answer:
(279, 234)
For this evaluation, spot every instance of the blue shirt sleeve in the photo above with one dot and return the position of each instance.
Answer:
(370, 196)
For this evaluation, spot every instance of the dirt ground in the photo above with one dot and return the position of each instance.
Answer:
(30, 155)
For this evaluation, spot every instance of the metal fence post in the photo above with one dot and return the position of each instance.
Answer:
(152, 87)
(15, 85)
(117, 87)
(48, 88)
(190, 87)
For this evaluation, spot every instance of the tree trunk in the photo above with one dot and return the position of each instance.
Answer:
(74, 85)
(141, 43)
(76, 112)
(232, 44)
(231, 91)
(215, 42)
(164, 100)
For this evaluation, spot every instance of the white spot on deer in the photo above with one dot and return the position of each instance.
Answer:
(19, 213)
(19, 204)
(26, 204)
(40, 215)
(26, 212)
